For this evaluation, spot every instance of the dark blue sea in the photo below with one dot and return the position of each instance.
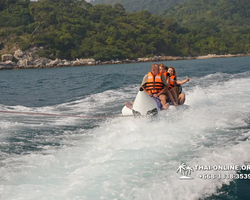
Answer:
(104, 156)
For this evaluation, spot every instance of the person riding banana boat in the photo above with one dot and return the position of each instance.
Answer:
(157, 84)
(174, 85)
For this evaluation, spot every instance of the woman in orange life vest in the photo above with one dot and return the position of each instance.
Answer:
(163, 70)
(174, 85)
(171, 97)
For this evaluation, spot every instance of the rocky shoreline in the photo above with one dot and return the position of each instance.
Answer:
(31, 60)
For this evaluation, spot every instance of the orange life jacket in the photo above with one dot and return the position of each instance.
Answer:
(166, 74)
(172, 80)
(154, 83)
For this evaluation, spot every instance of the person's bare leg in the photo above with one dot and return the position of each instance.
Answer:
(162, 98)
(128, 105)
(164, 104)
(174, 94)
(177, 91)
(170, 96)
(182, 98)
(165, 107)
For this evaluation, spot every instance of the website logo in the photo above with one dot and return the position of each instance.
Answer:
(185, 171)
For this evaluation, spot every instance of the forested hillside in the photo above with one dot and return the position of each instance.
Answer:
(225, 23)
(221, 13)
(76, 29)
(153, 6)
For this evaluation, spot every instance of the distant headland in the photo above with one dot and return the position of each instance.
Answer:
(30, 60)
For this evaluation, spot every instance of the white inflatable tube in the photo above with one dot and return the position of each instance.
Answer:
(180, 107)
(126, 111)
(143, 105)
(146, 106)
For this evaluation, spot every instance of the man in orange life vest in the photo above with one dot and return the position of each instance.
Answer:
(154, 83)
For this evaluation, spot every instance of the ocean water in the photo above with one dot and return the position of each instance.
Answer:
(103, 157)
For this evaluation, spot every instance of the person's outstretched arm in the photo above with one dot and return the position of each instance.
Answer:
(182, 82)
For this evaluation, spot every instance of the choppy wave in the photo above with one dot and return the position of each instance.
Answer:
(126, 158)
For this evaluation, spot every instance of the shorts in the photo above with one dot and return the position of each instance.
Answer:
(158, 102)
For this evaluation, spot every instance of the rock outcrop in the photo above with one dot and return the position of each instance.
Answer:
(30, 59)
(6, 57)
(7, 65)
